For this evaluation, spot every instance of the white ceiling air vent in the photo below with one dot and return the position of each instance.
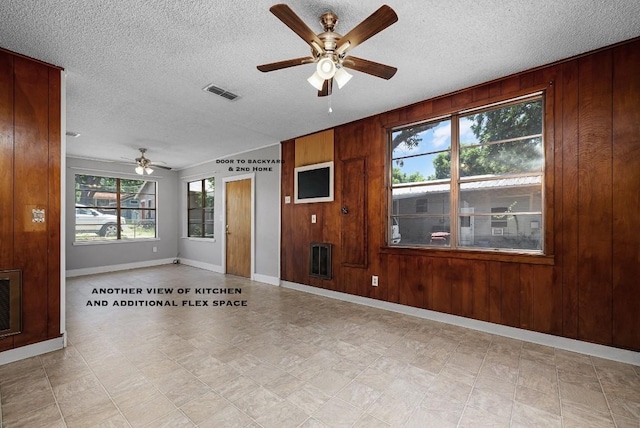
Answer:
(222, 92)
(72, 134)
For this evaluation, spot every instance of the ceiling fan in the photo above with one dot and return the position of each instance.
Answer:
(144, 164)
(329, 50)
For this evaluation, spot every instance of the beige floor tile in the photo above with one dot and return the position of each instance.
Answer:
(368, 421)
(45, 417)
(490, 402)
(624, 422)
(458, 374)
(308, 398)
(282, 415)
(146, 408)
(257, 402)
(450, 388)
(204, 407)
(313, 423)
(237, 388)
(180, 387)
(103, 413)
(392, 409)
(585, 398)
(422, 418)
(79, 397)
(576, 417)
(296, 355)
(502, 372)
(541, 379)
(284, 385)
(229, 417)
(329, 382)
(19, 370)
(417, 376)
(540, 400)
(442, 407)
(501, 386)
(359, 395)
(624, 407)
(529, 417)
(477, 418)
(35, 393)
(175, 419)
(337, 413)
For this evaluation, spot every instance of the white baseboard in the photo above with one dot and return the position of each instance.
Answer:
(32, 350)
(272, 280)
(219, 269)
(601, 351)
(202, 265)
(115, 268)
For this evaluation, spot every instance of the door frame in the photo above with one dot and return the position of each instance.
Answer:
(225, 180)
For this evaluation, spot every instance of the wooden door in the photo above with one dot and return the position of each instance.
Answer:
(238, 227)
(353, 235)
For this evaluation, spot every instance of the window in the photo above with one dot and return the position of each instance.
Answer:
(480, 174)
(108, 208)
(201, 196)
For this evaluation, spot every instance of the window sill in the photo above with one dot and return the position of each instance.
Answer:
(114, 241)
(190, 238)
(497, 256)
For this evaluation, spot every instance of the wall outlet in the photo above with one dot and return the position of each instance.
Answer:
(374, 280)
(313, 218)
(155, 249)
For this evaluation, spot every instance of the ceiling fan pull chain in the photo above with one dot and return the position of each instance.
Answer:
(329, 102)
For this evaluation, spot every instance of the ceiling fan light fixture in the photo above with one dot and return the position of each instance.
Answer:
(342, 77)
(326, 68)
(316, 81)
(139, 170)
(148, 170)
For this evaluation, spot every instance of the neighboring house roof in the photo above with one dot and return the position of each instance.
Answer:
(414, 191)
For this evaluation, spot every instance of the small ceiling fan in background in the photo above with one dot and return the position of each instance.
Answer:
(329, 50)
(144, 164)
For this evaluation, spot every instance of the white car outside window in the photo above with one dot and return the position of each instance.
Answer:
(90, 220)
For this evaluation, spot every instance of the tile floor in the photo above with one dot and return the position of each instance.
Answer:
(292, 359)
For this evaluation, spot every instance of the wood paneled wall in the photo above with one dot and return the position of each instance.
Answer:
(30, 155)
(586, 287)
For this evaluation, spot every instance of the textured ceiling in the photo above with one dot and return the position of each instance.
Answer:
(136, 69)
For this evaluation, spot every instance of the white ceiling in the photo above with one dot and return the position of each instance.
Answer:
(136, 68)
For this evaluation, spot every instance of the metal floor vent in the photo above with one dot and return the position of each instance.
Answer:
(221, 92)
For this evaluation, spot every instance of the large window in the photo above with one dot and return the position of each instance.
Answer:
(109, 208)
(470, 180)
(201, 197)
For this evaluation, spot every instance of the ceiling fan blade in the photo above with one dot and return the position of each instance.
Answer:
(284, 64)
(369, 67)
(326, 88)
(293, 21)
(376, 22)
(155, 165)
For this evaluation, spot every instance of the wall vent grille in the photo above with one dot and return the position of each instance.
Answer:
(320, 260)
(10, 302)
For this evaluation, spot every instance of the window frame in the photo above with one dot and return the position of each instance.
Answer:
(118, 208)
(203, 209)
(455, 181)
